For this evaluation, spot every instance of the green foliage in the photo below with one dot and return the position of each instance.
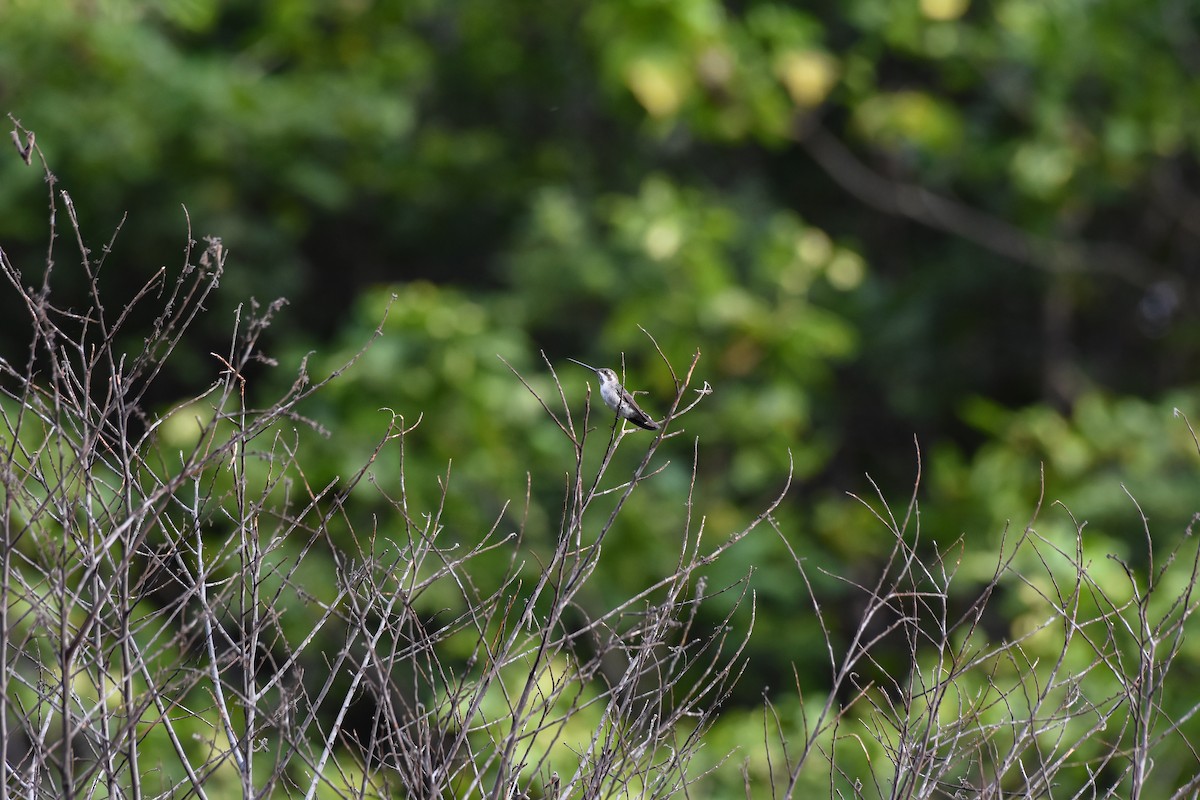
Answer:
(997, 256)
(1117, 457)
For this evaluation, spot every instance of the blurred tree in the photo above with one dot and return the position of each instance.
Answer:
(974, 222)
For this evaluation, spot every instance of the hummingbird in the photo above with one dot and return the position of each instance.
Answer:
(618, 398)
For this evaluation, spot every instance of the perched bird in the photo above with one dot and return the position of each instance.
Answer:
(617, 398)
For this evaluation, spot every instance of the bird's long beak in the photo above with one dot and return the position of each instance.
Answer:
(580, 363)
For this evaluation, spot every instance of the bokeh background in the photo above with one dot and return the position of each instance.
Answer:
(971, 226)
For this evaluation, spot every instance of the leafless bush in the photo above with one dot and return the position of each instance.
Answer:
(1075, 704)
(186, 614)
